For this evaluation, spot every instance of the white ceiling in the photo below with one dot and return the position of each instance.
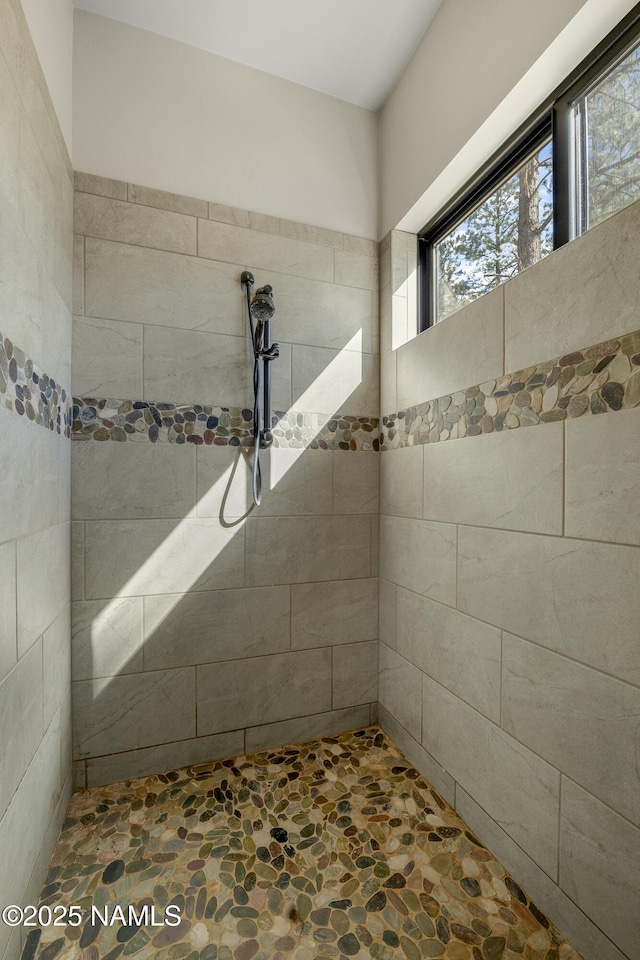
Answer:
(352, 49)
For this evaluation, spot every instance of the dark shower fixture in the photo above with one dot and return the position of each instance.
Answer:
(260, 309)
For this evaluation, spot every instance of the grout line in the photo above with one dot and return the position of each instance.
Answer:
(84, 560)
(564, 477)
(15, 567)
(510, 633)
(524, 533)
(208, 217)
(457, 564)
(84, 279)
(195, 697)
(504, 331)
(501, 679)
(539, 756)
(560, 825)
(331, 674)
(144, 634)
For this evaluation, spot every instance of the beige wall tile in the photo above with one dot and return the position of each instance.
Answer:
(107, 359)
(600, 865)
(458, 352)
(375, 546)
(150, 557)
(306, 728)
(296, 482)
(334, 381)
(80, 775)
(430, 769)
(400, 690)
(212, 626)
(282, 686)
(108, 219)
(316, 313)
(21, 721)
(9, 137)
(21, 292)
(334, 612)
(36, 257)
(302, 231)
(401, 482)
(419, 555)
(132, 480)
(78, 276)
(115, 714)
(185, 366)
(562, 911)
(56, 666)
(8, 638)
(165, 756)
(24, 826)
(387, 612)
(101, 186)
(107, 637)
(369, 248)
(302, 549)
(576, 594)
(167, 201)
(44, 201)
(356, 270)
(124, 282)
(38, 608)
(512, 479)
(459, 652)
(584, 723)
(77, 560)
(244, 218)
(355, 674)
(546, 316)
(603, 477)
(519, 790)
(38, 497)
(231, 244)
(52, 832)
(356, 482)
(56, 332)
(388, 373)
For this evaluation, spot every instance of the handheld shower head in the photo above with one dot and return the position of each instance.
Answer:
(262, 306)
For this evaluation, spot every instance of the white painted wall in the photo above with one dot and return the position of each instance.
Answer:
(478, 73)
(155, 111)
(51, 26)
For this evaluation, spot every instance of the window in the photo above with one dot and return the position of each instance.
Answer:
(571, 166)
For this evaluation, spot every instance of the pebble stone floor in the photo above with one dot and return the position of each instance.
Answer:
(334, 848)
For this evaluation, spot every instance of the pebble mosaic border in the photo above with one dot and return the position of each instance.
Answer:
(145, 421)
(31, 393)
(325, 850)
(600, 379)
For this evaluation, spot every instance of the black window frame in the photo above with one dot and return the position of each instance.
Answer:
(554, 120)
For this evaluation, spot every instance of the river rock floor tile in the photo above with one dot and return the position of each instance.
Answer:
(334, 848)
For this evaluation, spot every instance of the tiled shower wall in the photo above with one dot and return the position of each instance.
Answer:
(510, 567)
(36, 198)
(202, 628)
